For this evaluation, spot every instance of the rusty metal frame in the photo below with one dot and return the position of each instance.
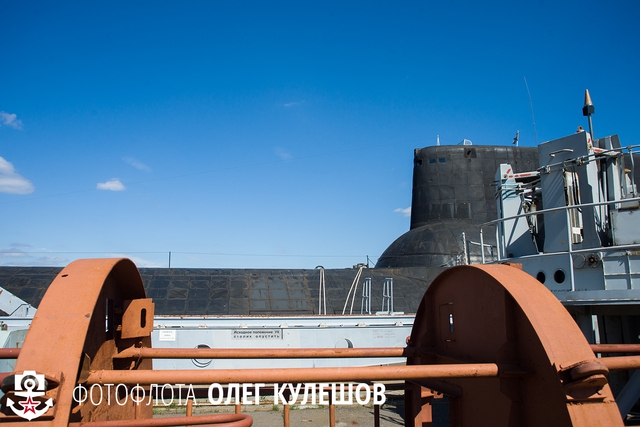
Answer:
(499, 314)
(77, 328)
(493, 339)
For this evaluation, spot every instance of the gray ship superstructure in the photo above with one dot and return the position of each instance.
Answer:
(574, 224)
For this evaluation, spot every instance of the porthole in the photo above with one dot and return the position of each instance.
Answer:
(344, 343)
(541, 276)
(202, 363)
(559, 276)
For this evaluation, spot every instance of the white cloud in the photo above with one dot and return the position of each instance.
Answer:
(12, 182)
(139, 262)
(282, 153)
(294, 103)
(406, 211)
(137, 164)
(23, 254)
(21, 245)
(12, 253)
(16, 250)
(111, 185)
(10, 120)
(51, 261)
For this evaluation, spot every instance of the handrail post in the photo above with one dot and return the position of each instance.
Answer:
(376, 415)
(286, 416)
(482, 244)
(632, 174)
(332, 410)
(570, 246)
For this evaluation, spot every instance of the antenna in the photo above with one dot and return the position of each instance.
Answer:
(588, 110)
(535, 132)
(438, 140)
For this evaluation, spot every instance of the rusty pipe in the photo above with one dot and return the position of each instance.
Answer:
(9, 353)
(296, 375)
(221, 420)
(621, 362)
(383, 373)
(615, 348)
(265, 353)
(286, 416)
(332, 414)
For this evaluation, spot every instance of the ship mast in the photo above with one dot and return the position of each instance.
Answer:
(588, 110)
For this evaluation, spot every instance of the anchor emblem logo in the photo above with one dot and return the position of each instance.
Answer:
(29, 385)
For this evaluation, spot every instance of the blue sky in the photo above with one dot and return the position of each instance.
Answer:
(275, 134)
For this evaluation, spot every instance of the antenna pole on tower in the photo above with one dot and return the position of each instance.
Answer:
(533, 117)
(588, 110)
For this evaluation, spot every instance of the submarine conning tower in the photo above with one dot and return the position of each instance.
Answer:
(453, 193)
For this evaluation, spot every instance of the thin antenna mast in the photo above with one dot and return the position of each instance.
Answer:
(533, 118)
